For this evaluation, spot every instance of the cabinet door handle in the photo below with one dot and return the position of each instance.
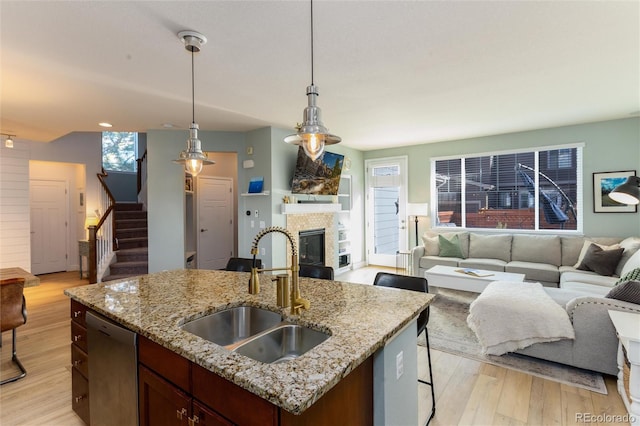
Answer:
(77, 314)
(79, 399)
(180, 413)
(193, 421)
(76, 363)
(77, 337)
(203, 229)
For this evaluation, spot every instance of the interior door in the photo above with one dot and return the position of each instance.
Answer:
(215, 221)
(386, 206)
(48, 205)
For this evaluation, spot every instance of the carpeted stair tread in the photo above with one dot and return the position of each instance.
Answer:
(119, 276)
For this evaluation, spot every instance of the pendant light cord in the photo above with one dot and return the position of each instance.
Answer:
(312, 42)
(193, 91)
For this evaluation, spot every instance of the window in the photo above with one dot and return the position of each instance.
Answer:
(119, 151)
(529, 190)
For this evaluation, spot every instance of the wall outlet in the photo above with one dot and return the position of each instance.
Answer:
(256, 213)
(263, 224)
(263, 251)
(399, 365)
(253, 223)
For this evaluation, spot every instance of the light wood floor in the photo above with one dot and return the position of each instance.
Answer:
(468, 392)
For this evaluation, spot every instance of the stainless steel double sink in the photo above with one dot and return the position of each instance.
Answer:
(256, 333)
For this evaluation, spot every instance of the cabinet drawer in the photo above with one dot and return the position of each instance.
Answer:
(79, 336)
(78, 313)
(166, 363)
(208, 417)
(80, 360)
(80, 395)
(231, 400)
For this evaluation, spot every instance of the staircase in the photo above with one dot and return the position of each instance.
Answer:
(132, 244)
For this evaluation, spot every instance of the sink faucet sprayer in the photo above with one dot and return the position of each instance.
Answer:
(297, 302)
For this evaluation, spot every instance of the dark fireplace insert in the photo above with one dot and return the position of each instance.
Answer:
(311, 247)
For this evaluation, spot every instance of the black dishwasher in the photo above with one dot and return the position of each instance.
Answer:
(113, 372)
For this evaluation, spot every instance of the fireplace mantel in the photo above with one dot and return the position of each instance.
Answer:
(304, 208)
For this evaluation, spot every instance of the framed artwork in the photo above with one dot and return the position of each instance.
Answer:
(603, 184)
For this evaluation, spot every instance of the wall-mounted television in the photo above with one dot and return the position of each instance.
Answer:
(319, 177)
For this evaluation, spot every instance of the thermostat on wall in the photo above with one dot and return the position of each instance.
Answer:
(247, 164)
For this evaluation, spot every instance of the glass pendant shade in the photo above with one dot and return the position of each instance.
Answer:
(628, 192)
(312, 134)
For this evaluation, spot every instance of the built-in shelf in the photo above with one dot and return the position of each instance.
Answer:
(302, 208)
(251, 194)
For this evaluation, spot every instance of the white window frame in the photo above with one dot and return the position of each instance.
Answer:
(536, 150)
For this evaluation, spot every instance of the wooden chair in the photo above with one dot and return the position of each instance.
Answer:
(13, 314)
(241, 264)
(314, 271)
(404, 282)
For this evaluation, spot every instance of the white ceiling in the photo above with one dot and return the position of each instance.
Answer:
(389, 72)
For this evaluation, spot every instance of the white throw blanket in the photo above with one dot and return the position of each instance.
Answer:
(513, 315)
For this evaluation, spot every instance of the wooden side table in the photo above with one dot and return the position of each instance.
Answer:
(83, 251)
(628, 329)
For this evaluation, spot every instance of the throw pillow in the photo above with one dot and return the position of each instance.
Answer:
(630, 245)
(603, 262)
(586, 246)
(450, 248)
(431, 246)
(627, 292)
(629, 276)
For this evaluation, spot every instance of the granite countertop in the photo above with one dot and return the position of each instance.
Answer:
(360, 318)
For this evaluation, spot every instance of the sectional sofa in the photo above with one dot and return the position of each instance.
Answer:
(553, 261)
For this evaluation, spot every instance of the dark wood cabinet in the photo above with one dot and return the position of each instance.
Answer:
(174, 391)
(161, 403)
(218, 401)
(79, 362)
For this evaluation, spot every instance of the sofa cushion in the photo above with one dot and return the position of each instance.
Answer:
(631, 264)
(628, 291)
(428, 262)
(630, 245)
(587, 277)
(463, 237)
(585, 248)
(601, 261)
(572, 246)
(479, 263)
(592, 289)
(490, 246)
(450, 247)
(536, 249)
(431, 245)
(534, 271)
(562, 296)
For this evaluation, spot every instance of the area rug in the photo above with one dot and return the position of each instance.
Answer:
(448, 332)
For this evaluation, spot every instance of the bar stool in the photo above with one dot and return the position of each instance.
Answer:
(315, 271)
(404, 282)
(13, 314)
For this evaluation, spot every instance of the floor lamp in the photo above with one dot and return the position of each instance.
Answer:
(417, 210)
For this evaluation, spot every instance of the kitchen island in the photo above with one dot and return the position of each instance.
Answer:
(361, 321)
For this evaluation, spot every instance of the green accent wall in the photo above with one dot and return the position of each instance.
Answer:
(608, 146)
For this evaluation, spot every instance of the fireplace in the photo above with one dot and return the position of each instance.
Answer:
(311, 247)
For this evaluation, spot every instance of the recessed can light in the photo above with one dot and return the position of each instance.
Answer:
(105, 124)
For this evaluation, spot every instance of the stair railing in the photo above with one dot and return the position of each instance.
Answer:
(101, 240)
(142, 179)
(142, 171)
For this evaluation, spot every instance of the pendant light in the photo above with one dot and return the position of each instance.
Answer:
(312, 134)
(193, 158)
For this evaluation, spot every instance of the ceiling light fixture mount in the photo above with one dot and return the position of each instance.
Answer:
(312, 134)
(8, 142)
(193, 158)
